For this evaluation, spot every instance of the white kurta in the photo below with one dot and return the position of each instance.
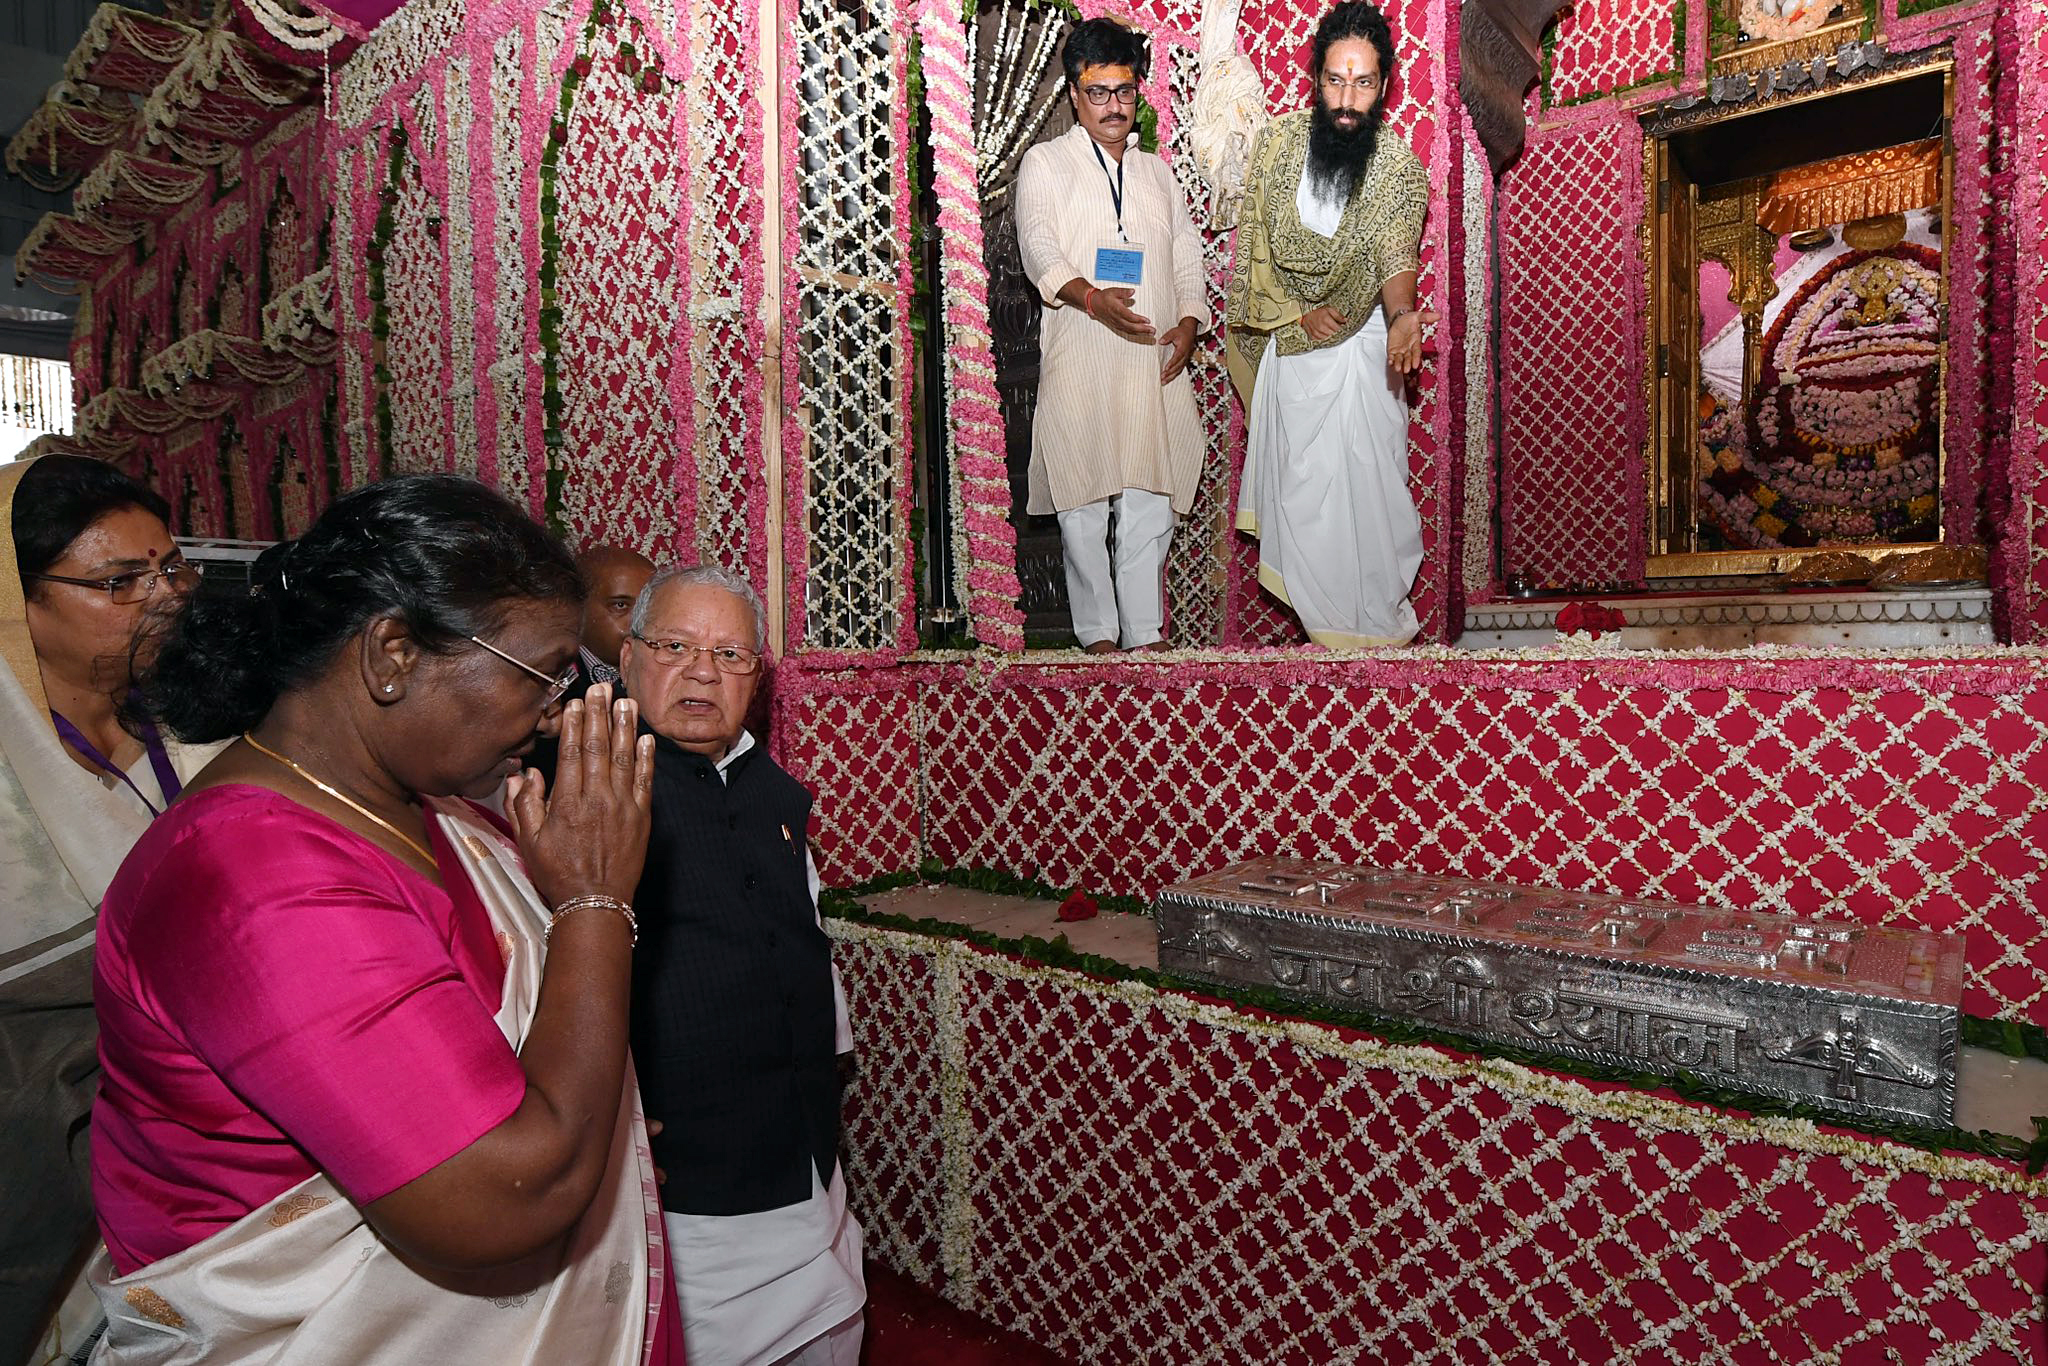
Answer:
(1325, 483)
(1104, 423)
(755, 1287)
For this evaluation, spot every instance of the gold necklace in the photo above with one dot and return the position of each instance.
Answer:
(350, 802)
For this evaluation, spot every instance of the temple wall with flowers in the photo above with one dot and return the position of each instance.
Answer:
(197, 245)
(551, 267)
(646, 266)
(1905, 792)
(542, 214)
(569, 249)
(1572, 222)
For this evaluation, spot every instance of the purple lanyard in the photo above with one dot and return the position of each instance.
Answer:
(152, 744)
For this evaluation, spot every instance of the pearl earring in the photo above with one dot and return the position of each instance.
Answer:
(390, 687)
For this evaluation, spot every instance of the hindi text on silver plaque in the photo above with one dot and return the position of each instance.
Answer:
(1856, 1018)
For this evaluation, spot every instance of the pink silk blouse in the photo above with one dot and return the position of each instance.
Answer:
(278, 995)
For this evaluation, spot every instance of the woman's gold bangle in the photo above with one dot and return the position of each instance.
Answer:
(588, 901)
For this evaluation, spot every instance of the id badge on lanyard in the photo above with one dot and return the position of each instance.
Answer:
(1121, 261)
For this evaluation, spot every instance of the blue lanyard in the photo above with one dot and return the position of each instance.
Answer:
(152, 744)
(1116, 187)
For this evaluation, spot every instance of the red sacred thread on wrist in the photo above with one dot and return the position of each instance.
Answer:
(1088, 302)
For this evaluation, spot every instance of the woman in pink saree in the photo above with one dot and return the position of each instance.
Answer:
(366, 1094)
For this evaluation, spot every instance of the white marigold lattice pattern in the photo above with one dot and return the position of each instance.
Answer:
(1571, 357)
(416, 38)
(415, 347)
(1135, 1177)
(852, 372)
(509, 365)
(864, 742)
(1194, 562)
(1908, 804)
(460, 231)
(890, 1128)
(725, 185)
(1606, 45)
(621, 305)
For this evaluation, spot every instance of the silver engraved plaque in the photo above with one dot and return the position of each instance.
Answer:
(1857, 1018)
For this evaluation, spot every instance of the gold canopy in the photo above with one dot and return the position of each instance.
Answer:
(1862, 185)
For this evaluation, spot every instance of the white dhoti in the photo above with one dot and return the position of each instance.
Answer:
(765, 1288)
(1325, 489)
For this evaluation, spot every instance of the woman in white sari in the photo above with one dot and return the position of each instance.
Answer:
(366, 1093)
(88, 562)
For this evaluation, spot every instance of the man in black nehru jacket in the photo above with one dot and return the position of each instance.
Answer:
(738, 1018)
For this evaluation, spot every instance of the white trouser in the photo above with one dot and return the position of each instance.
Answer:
(1133, 594)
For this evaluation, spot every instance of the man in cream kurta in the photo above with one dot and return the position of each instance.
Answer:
(1106, 237)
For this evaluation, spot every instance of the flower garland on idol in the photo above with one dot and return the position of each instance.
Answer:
(1842, 442)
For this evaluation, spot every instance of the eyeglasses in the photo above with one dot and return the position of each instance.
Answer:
(1364, 85)
(556, 685)
(137, 584)
(1099, 95)
(730, 659)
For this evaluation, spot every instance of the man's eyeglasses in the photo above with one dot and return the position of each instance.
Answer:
(137, 584)
(730, 659)
(557, 686)
(1099, 95)
(1364, 85)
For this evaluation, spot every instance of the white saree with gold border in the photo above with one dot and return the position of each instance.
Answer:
(305, 1281)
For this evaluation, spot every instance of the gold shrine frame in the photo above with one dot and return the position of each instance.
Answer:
(1725, 57)
(1671, 371)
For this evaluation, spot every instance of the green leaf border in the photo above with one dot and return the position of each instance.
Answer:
(2014, 1038)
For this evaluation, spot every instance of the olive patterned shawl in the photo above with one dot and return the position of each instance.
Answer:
(1283, 269)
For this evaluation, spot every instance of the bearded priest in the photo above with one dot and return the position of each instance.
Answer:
(1324, 329)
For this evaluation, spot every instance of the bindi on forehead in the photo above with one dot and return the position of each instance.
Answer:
(151, 552)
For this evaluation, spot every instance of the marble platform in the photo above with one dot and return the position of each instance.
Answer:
(1861, 618)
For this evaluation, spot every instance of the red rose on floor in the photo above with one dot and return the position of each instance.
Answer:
(1078, 906)
(1591, 618)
